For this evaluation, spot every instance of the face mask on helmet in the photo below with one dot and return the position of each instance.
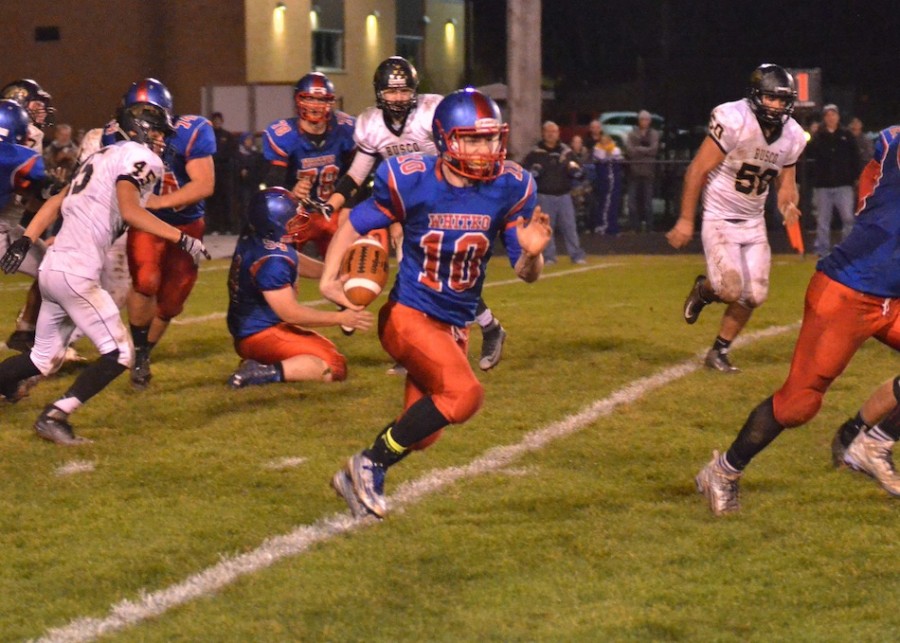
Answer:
(314, 97)
(470, 136)
(396, 82)
(146, 124)
(275, 214)
(13, 123)
(36, 102)
(772, 94)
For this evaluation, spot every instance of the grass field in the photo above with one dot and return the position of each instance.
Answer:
(587, 528)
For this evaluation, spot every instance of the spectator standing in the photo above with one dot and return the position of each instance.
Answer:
(836, 168)
(608, 172)
(553, 166)
(595, 133)
(251, 169)
(864, 144)
(641, 147)
(219, 206)
(60, 154)
(582, 190)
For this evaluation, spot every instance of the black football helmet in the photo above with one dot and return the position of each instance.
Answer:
(33, 99)
(775, 82)
(395, 73)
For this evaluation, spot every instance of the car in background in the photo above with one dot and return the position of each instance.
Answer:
(618, 124)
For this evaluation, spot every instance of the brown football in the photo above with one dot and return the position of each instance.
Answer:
(366, 261)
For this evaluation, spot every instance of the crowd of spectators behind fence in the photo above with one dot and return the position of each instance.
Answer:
(603, 189)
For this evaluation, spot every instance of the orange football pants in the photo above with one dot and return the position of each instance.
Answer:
(160, 268)
(434, 354)
(283, 341)
(837, 320)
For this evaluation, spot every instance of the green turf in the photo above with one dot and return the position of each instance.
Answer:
(598, 536)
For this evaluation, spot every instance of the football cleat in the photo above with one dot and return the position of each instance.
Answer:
(140, 372)
(53, 425)
(719, 486)
(873, 457)
(695, 301)
(342, 483)
(492, 341)
(837, 443)
(21, 340)
(718, 361)
(253, 373)
(367, 478)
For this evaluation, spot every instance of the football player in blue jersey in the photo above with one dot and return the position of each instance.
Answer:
(20, 166)
(268, 324)
(307, 154)
(853, 296)
(162, 274)
(452, 208)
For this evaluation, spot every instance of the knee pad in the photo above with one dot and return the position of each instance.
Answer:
(731, 287)
(796, 408)
(460, 404)
(146, 280)
(121, 357)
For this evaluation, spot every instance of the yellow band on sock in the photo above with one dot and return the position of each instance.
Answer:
(392, 444)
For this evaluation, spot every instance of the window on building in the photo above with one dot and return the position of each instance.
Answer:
(410, 29)
(328, 35)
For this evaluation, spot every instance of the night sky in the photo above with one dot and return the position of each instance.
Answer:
(705, 54)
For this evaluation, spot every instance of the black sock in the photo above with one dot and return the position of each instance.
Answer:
(758, 431)
(279, 371)
(15, 369)
(890, 425)
(139, 335)
(420, 420)
(851, 428)
(721, 345)
(96, 377)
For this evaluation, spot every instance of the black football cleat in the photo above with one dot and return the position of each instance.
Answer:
(53, 426)
(695, 301)
(140, 372)
(718, 361)
(253, 373)
(492, 339)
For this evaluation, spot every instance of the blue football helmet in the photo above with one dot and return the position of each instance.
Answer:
(13, 122)
(470, 134)
(772, 81)
(147, 108)
(314, 97)
(275, 214)
(37, 103)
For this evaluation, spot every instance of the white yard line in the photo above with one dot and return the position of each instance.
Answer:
(149, 605)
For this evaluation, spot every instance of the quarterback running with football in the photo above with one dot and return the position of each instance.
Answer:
(106, 195)
(751, 144)
(400, 123)
(854, 295)
(452, 208)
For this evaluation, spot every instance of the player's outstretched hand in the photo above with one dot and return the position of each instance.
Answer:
(356, 319)
(193, 247)
(534, 235)
(15, 255)
(333, 290)
(790, 212)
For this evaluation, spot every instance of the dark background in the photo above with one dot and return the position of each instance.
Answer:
(680, 58)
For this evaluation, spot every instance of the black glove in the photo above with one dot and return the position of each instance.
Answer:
(325, 209)
(15, 255)
(193, 247)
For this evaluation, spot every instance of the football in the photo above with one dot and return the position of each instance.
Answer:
(366, 261)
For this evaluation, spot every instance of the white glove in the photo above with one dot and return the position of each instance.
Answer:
(193, 247)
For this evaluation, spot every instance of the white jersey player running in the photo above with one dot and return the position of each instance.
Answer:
(105, 196)
(751, 144)
(400, 123)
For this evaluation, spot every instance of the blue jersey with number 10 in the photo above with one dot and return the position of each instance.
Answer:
(449, 232)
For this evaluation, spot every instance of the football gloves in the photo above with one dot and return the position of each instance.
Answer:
(193, 247)
(15, 255)
(325, 209)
